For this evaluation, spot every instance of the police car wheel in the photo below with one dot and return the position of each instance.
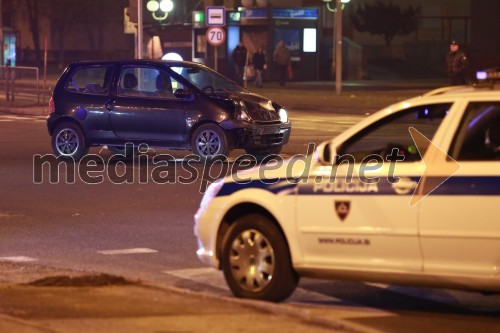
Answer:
(68, 142)
(256, 260)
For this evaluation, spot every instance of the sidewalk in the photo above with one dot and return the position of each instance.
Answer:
(315, 96)
(36, 299)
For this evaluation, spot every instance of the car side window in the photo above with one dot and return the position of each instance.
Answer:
(393, 132)
(147, 82)
(478, 136)
(90, 80)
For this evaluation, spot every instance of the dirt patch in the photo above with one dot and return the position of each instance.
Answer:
(82, 281)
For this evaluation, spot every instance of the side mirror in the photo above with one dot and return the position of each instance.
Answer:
(183, 94)
(325, 154)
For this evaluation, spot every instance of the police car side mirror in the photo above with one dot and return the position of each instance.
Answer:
(325, 153)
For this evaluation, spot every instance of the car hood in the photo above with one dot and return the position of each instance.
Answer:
(258, 107)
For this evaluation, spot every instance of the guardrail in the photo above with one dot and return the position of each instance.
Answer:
(20, 81)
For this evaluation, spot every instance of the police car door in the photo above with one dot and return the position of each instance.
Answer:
(361, 217)
(460, 231)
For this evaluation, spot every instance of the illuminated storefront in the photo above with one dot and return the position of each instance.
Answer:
(264, 27)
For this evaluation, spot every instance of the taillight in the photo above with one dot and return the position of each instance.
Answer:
(52, 106)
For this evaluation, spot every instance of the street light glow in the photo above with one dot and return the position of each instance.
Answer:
(153, 5)
(166, 5)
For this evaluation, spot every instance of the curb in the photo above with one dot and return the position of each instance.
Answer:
(281, 309)
(26, 111)
(13, 324)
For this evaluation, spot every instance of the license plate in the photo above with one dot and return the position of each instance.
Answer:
(268, 130)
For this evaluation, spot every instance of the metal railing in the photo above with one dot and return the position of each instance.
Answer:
(20, 81)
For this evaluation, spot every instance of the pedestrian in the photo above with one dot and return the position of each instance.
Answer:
(456, 64)
(259, 64)
(281, 57)
(240, 60)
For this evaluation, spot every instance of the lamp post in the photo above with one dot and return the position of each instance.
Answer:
(337, 41)
(159, 10)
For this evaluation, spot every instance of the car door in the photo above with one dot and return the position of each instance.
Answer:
(87, 89)
(145, 107)
(459, 228)
(360, 217)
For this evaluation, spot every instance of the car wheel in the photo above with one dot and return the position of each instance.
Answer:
(68, 142)
(256, 260)
(260, 154)
(209, 141)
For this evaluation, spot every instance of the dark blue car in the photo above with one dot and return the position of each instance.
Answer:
(169, 104)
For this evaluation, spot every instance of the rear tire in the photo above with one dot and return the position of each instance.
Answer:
(256, 260)
(68, 142)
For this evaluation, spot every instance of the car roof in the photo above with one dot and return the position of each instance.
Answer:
(464, 91)
(137, 62)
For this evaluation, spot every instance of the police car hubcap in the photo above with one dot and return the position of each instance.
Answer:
(252, 260)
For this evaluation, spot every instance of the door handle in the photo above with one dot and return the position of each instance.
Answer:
(404, 186)
(109, 105)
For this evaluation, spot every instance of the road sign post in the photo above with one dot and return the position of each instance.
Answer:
(215, 36)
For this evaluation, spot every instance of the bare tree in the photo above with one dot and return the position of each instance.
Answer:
(384, 19)
(33, 10)
(64, 14)
(99, 16)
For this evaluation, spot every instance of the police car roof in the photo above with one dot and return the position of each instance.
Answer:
(488, 79)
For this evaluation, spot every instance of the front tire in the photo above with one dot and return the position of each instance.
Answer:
(210, 142)
(256, 260)
(68, 142)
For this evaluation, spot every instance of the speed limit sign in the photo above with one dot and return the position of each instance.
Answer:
(216, 36)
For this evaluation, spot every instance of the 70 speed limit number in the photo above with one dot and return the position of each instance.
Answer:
(215, 36)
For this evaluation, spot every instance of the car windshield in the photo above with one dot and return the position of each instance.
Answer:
(206, 80)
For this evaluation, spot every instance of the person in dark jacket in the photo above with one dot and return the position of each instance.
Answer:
(282, 58)
(240, 60)
(259, 63)
(456, 64)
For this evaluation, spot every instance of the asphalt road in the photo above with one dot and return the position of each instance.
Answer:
(143, 230)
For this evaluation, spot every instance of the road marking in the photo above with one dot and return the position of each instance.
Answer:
(127, 251)
(18, 259)
(9, 118)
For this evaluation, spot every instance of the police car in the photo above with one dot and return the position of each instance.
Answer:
(410, 195)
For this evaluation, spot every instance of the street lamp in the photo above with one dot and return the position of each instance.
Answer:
(337, 41)
(334, 10)
(158, 9)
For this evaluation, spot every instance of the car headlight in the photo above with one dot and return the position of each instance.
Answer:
(211, 192)
(283, 115)
(242, 112)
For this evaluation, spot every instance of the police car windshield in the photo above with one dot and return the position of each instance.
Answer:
(207, 80)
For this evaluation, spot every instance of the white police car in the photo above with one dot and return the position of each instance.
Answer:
(380, 202)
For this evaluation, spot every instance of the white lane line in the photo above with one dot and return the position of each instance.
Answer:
(127, 251)
(18, 259)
